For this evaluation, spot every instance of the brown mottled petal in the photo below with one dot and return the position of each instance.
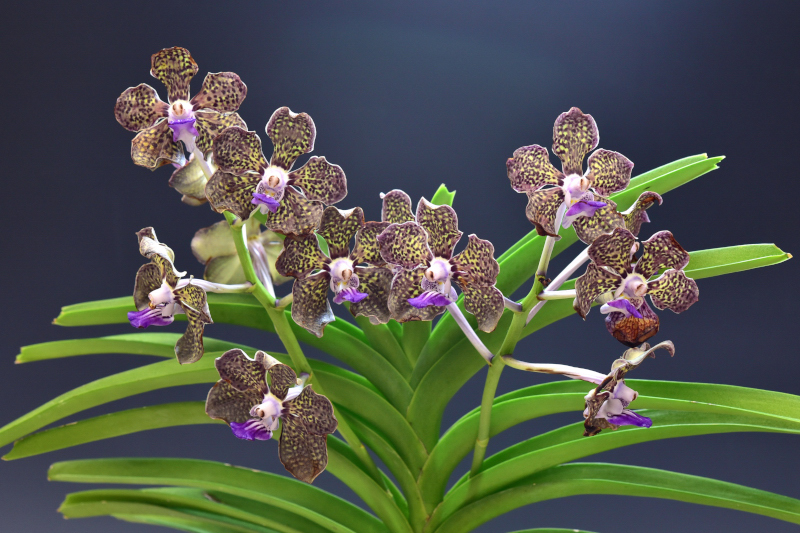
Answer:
(375, 282)
(337, 227)
(605, 220)
(190, 180)
(441, 223)
(167, 269)
(237, 151)
(613, 250)
(301, 256)
(242, 372)
(407, 284)
(148, 279)
(228, 192)
(226, 403)
(542, 209)
(635, 216)
(210, 124)
(292, 135)
(661, 251)
(609, 171)
(477, 261)
(192, 299)
(303, 455)
(281, 379)
(396, 207)
(530, 169)
(592, 425)
(632, 331)
(149, 245)
(296, 214)
(320, 180)
(223, 92)
(574, 135)
(153, 147)
(139, 107)
(483, 301)
(315, 410)
(311, 308)
(367, 249)
(673, 290)
(405, 245)
(594, 282)
(175, 68)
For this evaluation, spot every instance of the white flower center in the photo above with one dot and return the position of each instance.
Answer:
(633, 286)
(575, 186)
(180, 110)
(273, 181)
(342, 275)
(163, 297)
(269, 410)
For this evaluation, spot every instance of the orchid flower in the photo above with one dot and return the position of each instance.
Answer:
(159, 294)
(194, 121)
(365, 287)
(190, 180)
(214, 247)
(291, 201)
(253, 409)
(630, 320)
(582, 196)
(607, 404)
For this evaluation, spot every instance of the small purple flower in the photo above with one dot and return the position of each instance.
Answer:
(254, 409)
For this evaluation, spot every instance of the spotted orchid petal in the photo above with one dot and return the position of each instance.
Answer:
(237, 151)
(148, 279)
(396, 207)
(310, 307)
(243, 373)
(320, 180)
(229, 192)
(139, 107)
(222, 92)
(529, 169)
(253, 429)
(160, 254)
(226, 402)
(574, 135)
(594, 282)
(281, 379)
(338, 227)
(428, 298)
(661, 251)
(405, 245)
(485, 302)
(543, 206)
(636, 215)
(441, 223)
(190, 180)
(300, 257)
(210, 124)
(304, 455)
(315, 411)
(175, 68)
(673, 290)
(292, 135)
(613, 250)
(604, 220)
(608, 171)
(296, 214)
(406, 285)
(630, 330)
(376, 283)
(367, 249)
(153, 147)
(477, 262)
(192, 300)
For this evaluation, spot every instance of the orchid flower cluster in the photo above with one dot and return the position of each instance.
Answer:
(402, 268)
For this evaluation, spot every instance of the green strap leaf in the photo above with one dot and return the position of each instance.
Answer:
(598, 478)
(381, 338)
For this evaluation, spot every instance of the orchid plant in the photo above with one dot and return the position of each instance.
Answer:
(409, 347)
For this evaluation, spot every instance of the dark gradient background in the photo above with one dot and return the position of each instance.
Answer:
(410, 97)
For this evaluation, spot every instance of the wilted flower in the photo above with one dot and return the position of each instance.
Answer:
(159, 294)
(581, 196)
(291, 201)
(365, 287)
(254, 409)
(630, 319)
(195, 122)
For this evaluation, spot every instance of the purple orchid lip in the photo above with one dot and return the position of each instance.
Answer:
(267, 200)
(429, 298)
(585, 208)
(350, 294)
(148, 317)
(621, 305)
(630, 418)
(253, 429)
(186, 125)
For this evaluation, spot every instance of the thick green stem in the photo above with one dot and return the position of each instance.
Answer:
(285, 333)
